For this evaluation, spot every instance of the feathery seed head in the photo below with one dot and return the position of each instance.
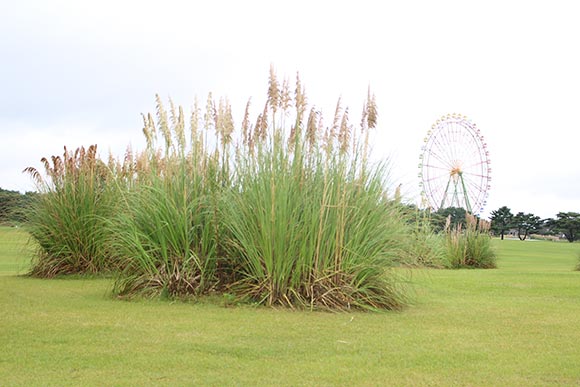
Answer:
(336, 120)
(285, 98)
(246, 124)
(372, 112)
(194, 123)
(163, 123)
(36, 176)
(147, 131)
(273, 90)
(364, 117)
(344, 132)
(227, 123)
(264, 124)
(300, 97)
(209, 117)
(311, 126)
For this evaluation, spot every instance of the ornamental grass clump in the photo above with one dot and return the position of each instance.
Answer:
(309, 220)
(67, 218)
(426, 248)
(288, 212)
(168, 233)
(469, 246)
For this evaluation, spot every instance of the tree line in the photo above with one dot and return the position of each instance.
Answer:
(12, 204)
(566, 224)
(503, 222)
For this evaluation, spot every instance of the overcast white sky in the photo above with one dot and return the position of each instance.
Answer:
(81, 72)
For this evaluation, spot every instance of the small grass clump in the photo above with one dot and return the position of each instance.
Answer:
(426, 247)
(470, 247)
(67, 218)
(167, 235)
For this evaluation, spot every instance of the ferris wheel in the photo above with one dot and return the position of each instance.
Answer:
(454, 165)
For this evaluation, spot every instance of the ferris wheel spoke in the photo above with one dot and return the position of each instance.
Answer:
(436, 167)
(476, 187)
(444, 144)
(475, 172)
(480, 162)
(442, 159)
(476, 175)
(430, 177)
(477, 180)
(476, 192)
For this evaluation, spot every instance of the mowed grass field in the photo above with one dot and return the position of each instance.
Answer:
(518, 325)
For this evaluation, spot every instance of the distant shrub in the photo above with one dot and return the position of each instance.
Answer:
(470, 247)
(425, 247)
(551, 238)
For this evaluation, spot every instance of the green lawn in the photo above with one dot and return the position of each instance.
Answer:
(518, 325)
